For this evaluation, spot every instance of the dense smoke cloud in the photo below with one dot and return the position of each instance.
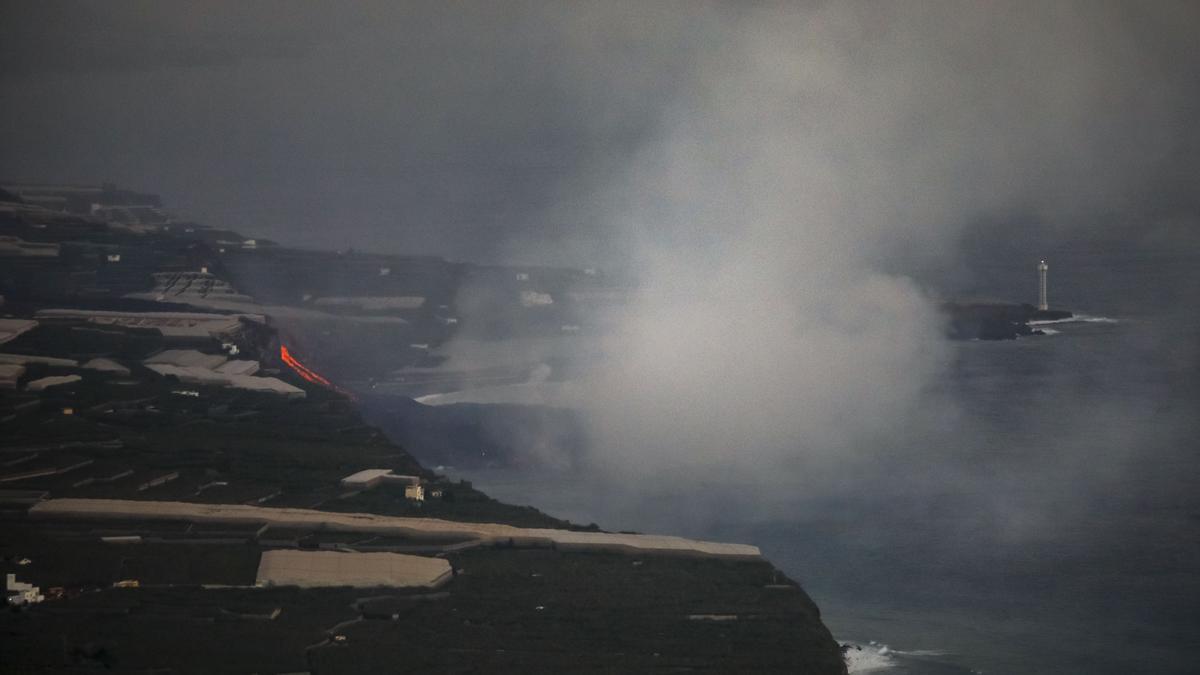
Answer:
(811, 148)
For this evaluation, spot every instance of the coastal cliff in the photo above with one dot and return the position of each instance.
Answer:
(137, 371)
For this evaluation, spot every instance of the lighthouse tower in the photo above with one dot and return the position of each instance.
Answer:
(1043, 305)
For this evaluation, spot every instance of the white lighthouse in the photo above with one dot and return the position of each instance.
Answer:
(1043, 305)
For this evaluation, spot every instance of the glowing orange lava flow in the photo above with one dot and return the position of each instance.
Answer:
(301, 369)
(307, 373)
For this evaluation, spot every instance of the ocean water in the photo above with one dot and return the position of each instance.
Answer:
(1049, 523)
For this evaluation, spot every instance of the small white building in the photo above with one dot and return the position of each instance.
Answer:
(21, 593)
(415, 493)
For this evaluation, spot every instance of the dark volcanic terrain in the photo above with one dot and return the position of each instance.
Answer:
(156, 361)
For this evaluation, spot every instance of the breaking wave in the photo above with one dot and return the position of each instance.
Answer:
(875, 657)
(1078, 318)
(869, 658)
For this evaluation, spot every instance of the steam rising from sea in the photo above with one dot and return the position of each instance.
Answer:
(807, 155)
(780, 375)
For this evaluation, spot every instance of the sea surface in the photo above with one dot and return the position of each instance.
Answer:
(1050, 523)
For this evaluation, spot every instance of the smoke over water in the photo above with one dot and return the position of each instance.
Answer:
(805, 154)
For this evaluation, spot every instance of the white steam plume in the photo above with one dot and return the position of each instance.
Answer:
(807, 147)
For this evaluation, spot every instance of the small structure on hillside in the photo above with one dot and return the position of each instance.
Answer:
(365, 479)
(309, 569)
(12, 328)
(181, 326)
(369, 478)
(414, 493)
(26, 359)
(194, 367)
(186, 358)
(21, 593)
(52, 381)
(10, 373)
(103, 365)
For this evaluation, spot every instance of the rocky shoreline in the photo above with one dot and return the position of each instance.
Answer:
(995, 321)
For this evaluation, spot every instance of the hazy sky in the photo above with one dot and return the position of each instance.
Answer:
(525, 130)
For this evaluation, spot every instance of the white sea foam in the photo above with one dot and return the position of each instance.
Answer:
(868, 658)
(874, 657)
(1049, 331)
(1078, 318)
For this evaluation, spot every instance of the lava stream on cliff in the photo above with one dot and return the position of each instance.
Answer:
(307, 373)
